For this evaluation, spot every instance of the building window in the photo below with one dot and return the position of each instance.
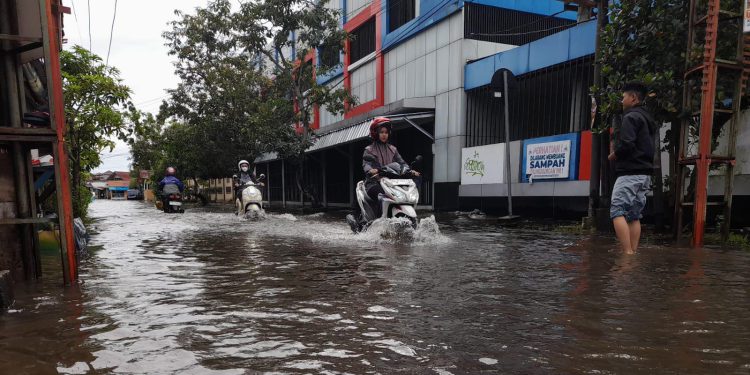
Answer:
(363, 41)
(328, 57)
(229, 190)
(400, 12)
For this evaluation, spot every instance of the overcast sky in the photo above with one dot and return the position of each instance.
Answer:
(138, 50)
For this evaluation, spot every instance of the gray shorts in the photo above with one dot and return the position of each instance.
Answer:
(629, 197)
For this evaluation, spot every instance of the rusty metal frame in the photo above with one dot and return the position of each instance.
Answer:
(51, 30)
(710, 70)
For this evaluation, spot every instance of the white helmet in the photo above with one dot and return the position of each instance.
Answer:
(239, 165)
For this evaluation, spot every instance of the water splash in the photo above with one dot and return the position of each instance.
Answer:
(399, 230)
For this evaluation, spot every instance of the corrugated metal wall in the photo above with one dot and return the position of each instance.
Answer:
(363, 82)
(353, 7)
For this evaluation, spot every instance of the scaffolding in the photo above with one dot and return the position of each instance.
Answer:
(710, 114)
(31, 31)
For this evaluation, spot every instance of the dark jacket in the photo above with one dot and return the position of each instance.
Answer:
(381, 154)
(634, 143)
(171, 180)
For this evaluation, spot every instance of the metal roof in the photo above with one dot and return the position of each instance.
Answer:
(349, 134)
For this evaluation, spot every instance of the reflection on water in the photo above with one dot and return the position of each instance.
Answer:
(206, 292)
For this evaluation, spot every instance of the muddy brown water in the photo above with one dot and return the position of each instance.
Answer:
(205, 292)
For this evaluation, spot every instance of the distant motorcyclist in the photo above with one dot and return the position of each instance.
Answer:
(170, 184)
(245, 176)
(379, 154)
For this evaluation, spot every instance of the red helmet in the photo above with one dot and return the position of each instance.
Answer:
(376, 124)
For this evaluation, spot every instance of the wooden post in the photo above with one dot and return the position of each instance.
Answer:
(50, 35)
(34, 229)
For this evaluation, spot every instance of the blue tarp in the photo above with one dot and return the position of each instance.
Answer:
(115, 188)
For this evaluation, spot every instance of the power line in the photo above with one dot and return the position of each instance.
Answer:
(78, 25)
(111, 32)
(89, 14)
(151, 100)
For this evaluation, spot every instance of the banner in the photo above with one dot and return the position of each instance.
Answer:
(550, 158)
(746, 18)
(483, 164)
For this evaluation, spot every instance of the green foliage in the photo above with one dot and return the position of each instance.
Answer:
(97, 108)
(645, 41)
(301, 26)
(145, 147)
(241, 91)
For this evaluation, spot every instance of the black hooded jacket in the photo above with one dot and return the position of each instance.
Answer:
(634, 143)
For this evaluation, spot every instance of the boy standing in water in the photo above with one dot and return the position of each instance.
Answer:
(633, 155)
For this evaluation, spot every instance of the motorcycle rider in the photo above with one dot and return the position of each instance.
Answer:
(170, 179)
(377, 155)
(244, 177)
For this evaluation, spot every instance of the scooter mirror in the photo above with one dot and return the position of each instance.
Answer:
(417, 160)
(262, 177)
(369, 158)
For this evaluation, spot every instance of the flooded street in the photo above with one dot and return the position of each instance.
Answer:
(206, 292)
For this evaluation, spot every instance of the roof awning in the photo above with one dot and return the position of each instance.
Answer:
(362, 130)
(356, 132)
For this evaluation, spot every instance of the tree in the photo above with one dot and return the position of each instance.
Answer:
(633, 49)
(145, 145)
(284, 33)
(646, 40)
(221, 103)
(244, 82)
(97, 108)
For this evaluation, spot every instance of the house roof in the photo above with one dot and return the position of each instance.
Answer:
(116, 183)
(125, 176)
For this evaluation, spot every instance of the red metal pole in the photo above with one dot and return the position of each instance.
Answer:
(56, 94)
(707, 116)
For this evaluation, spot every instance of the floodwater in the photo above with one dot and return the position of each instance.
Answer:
(206, 292)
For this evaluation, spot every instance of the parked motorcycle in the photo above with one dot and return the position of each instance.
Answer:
(249, 202)
(172, 199)
(399, 201)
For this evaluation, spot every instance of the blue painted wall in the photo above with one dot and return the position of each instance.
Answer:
(570, 44)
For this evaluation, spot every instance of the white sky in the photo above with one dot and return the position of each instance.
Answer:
(138, 50)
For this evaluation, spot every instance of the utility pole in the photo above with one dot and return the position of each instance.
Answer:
(597, 203)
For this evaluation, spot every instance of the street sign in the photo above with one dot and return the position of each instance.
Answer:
(746, 18)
